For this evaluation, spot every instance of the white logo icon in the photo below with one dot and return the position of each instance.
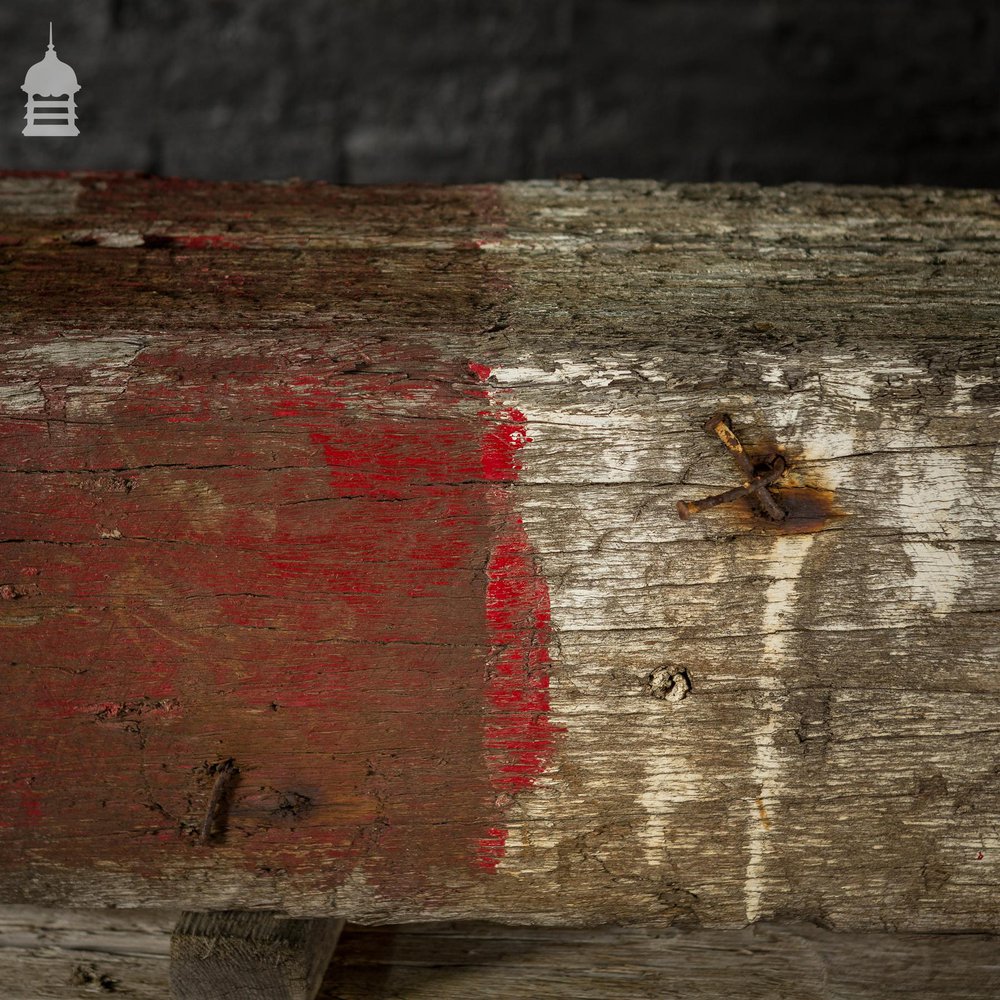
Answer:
(51, 88)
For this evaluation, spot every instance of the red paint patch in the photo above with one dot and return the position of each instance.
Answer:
(505, 435)
(520, 738)
(31, 809)
(206, 242)
(321, 575)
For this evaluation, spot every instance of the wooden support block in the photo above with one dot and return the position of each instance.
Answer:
(252, 955)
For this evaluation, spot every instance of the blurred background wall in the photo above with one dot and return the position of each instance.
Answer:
(360, 91)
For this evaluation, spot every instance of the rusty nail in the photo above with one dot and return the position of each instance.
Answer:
(224, 773)
(685, 508)
(722, 427)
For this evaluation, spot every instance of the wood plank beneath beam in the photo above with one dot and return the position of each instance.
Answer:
(69, 954)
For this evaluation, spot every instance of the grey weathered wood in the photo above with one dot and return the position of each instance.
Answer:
(836, 758)
(62, 954)
(252, 955)
(50, 954)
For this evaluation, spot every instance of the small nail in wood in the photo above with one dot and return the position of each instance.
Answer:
(224, 774)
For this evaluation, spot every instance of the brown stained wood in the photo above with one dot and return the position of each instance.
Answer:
(251, 955)
(764, 962)
(68, 954)
(517, 377)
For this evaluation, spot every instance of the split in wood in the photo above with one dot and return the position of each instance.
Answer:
(755, 485)
(225, 773)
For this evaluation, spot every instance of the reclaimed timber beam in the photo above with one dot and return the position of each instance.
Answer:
(367, 498)
(254, 955)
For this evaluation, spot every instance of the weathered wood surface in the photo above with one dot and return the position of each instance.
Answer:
(250, 954)
(72, 954)
(372, 492)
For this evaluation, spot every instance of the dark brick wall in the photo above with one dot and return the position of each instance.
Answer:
(881, 91)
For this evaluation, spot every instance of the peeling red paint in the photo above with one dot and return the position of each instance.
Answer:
(520, 738)
(504, 435)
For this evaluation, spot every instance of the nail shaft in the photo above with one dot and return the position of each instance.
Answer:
(223, 776)
(685, 508)
(719, 425)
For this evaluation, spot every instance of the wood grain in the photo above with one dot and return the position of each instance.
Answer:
(53, 954)
(373, 491)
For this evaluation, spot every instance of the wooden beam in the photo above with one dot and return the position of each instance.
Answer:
(255, 955)
(373, 492)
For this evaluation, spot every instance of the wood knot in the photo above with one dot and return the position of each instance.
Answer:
(668, 684)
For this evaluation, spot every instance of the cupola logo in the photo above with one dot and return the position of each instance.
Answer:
(51, 88)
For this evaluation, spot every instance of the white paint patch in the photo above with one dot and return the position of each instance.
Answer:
(669, 781)
(939, 574)
(356, 894)
(826, 445)
(100, 356)
(961, 401)
(849, 384)
(623, 423)
(531, 838)
(553, 242)
(86, 401)
(24, 397)
(933, 486)
(598, 374)
(114, 238)
(39, 196)
(561, 212)
(117, 240)
(784, 565)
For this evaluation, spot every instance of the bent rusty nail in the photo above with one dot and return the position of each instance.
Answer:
(721, 426)
(685, 508)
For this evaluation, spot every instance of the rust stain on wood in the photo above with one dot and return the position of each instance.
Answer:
(808, 509)
(807, 504)
(765, 820)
